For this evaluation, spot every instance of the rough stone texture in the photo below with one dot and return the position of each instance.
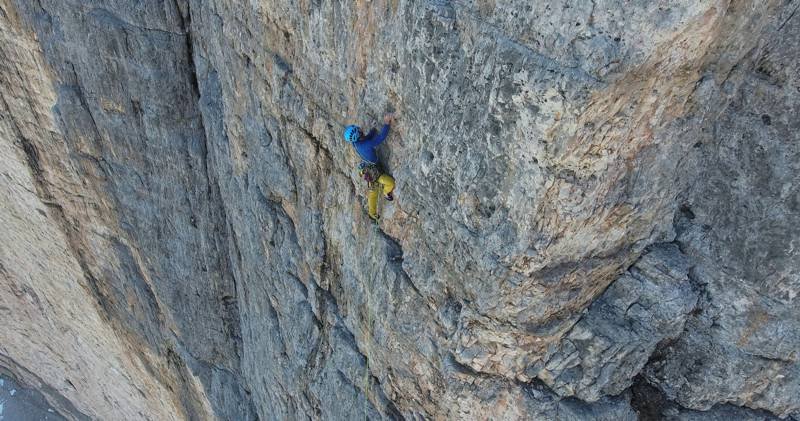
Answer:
(98, 267)
(611, 343)
(184, 235)
(721, 413)
(21, 404)
(741, 223)
(651, 404)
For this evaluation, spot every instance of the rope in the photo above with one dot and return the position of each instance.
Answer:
(368, 329)
(368, 339)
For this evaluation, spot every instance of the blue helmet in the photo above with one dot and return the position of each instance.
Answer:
(352, 133)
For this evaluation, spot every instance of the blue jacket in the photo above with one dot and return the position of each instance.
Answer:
(366, 144)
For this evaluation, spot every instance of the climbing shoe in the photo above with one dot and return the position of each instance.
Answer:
(389, 196)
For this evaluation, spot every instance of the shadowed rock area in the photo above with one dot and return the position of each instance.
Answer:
(596, 214)
(18, 403)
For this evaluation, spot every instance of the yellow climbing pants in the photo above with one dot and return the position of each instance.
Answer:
(385, 183)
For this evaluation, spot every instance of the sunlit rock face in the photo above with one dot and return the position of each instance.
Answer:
(596, 216)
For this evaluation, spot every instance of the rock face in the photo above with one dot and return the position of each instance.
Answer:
(17, 403)
(612, 342)
(597, 209)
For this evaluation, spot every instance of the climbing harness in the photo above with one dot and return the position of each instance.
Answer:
(369, 172)
(377, 182)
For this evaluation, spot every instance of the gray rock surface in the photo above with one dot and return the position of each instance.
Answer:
(652, 404)
(718, 413)
(612, 342)
(741, 223)
(20, 404)
(184, 234)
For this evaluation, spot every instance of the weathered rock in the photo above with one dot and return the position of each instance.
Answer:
(59, 332)
(611, 343)
(19, 403)
(717, 413)
(650, 403)
(741, 223)
(487, 398)
(184, 233)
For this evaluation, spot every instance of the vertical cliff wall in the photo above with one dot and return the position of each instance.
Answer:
(596, 214)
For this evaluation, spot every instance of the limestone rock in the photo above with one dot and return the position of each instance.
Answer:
(612, 342)
(741, 225)
(184, 235)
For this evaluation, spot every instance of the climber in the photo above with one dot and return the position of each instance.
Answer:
(369, 168)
